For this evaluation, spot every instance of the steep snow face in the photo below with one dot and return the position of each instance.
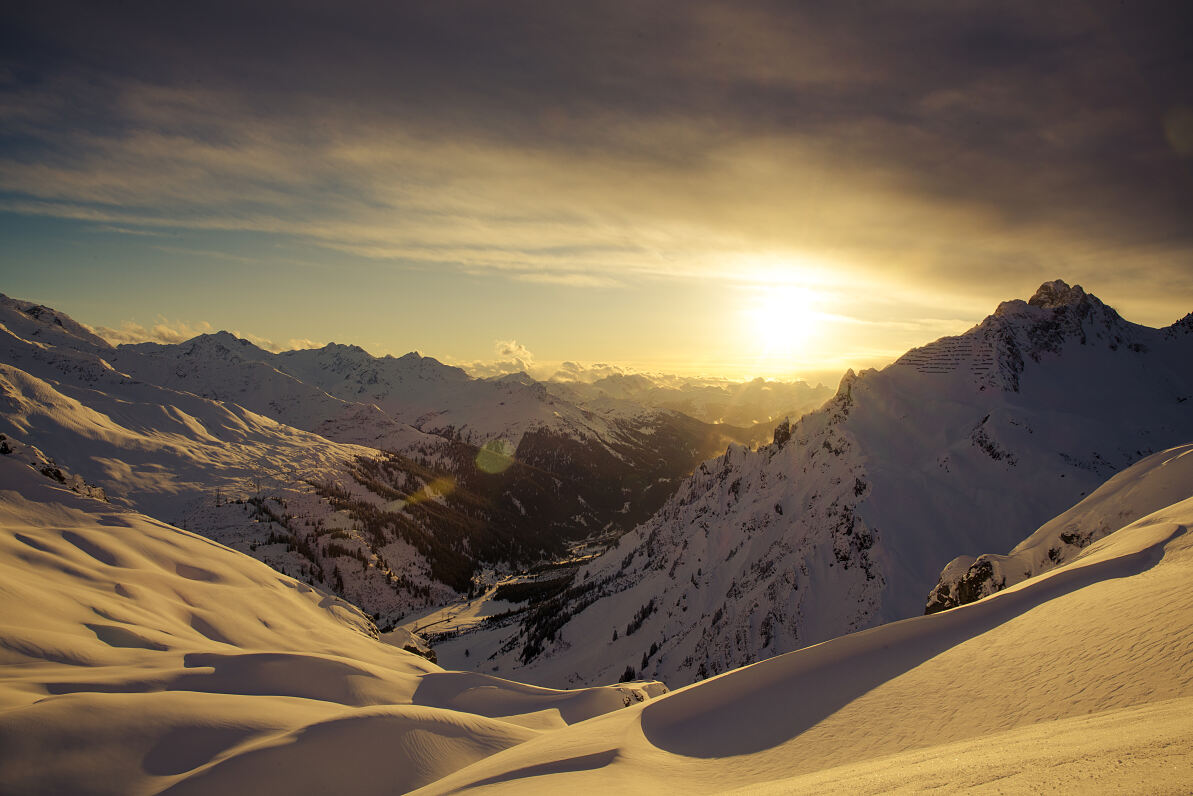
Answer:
(681, 596)
(965, 444)
(137, 658)
(1147, 486)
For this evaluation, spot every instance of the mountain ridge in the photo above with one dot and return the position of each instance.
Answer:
(845, 520)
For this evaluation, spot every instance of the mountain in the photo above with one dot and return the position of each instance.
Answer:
(751, 403)
(1079, 678)
(140, 658)
(1159, 480)
(236, 476)
(609, 468)
(846, 519)
(253, 449)
(223, 367)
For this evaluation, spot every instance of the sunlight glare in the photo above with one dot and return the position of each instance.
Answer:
(782, 320)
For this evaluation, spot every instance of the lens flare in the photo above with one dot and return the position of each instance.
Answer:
(439, 488)
(495, 457)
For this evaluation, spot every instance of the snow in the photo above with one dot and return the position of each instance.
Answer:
(966, 445)
(1133, 493)
(1082, 675)
(137, 657)
(193, 433)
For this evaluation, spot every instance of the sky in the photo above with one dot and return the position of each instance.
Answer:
(777, 189)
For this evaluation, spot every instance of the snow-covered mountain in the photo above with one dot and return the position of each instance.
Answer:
(223, 437)
(716, 401)
(140, 658)
(621, 459)
(1080, 679)
(223, 367)
(235, 475)
(1160, 480)
(847, 518)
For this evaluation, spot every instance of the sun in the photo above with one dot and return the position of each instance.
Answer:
(781, 320)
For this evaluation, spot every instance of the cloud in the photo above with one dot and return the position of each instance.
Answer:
(275, 346)
(170, 332)
(568, 279)
(574, 371)
(163, 331)
(968, 147)
(509, 356)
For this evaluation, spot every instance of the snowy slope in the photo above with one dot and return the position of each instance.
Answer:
(846, 520)
(226, 368)
(47, 326)
(218, 468)
(211, 434)
(1078, 680)
(1159, 480)
(139, 658)
(610, 455)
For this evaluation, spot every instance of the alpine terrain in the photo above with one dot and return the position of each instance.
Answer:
(396, 482)
(846, 519)
(142, 658)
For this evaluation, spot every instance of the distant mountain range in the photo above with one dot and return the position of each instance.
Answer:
(737, 403)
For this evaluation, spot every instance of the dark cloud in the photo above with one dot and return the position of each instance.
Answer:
(1041, 123)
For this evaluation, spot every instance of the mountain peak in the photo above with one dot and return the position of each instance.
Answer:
(341, 348)
(223, 337)
(220, 339)
(1057, 293)
(38, 320)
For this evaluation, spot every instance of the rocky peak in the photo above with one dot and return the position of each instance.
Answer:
(223, 342)
(1057, 293)
(1183, 326)
(340, 348)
